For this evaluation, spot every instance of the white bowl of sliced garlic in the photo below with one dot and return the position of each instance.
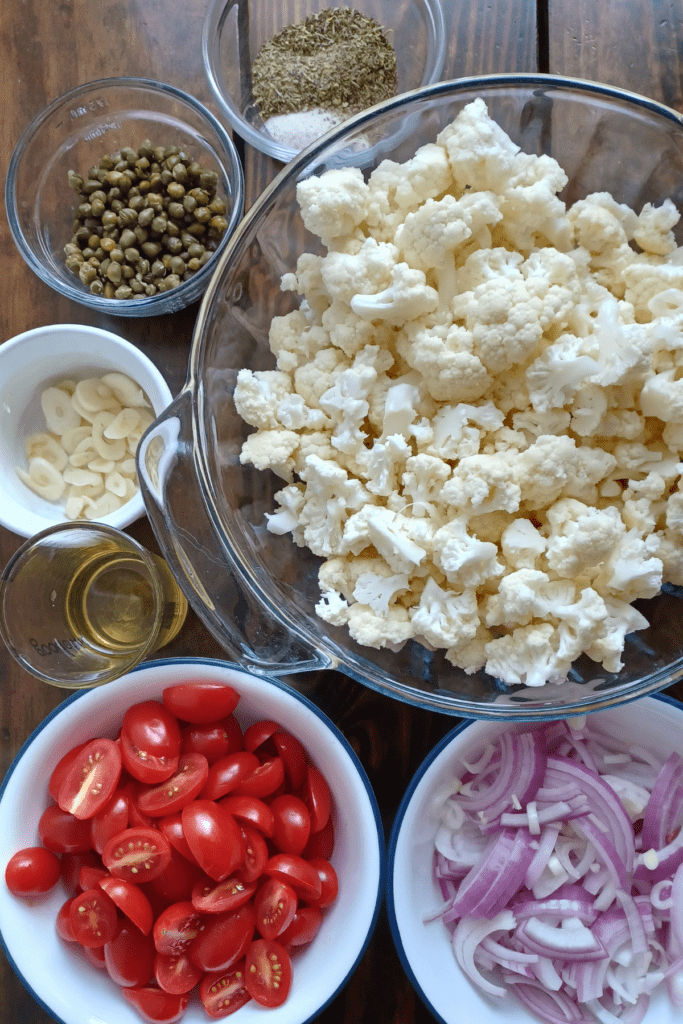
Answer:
(74, 403)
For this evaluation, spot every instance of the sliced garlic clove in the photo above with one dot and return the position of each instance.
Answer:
(115, 483)
(43, 479)
(94, 394)
(125, 423)
(83, 477)
(72, 438)
(104, 505)
(75, 503)
(100, 465)
(114, 450)
(45, 447)
(58, 410)
(126, 390)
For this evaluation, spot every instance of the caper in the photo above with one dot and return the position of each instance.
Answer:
(193, 264)
(127, 238)
(137, 286)
(74, 262)
(74, 180)
(157, 269)
(87, 273)
(109, 290)
(128, 217)
(127, 272)
(189, 204)
(175, 190)
(117, 255)
(177, 266)
(136, 203)
(150, 289)
(97, 207)
(176, 210)
(158, 224)
(96, 286)
(108, 244)
(218, 225)
(113, 272)
(129, 155)
(145, 149)
(124, 291)
(201, 195)
(109, 219)
(151, 249)
(88, 252)
(174, 245)
(202, 214)
(93, 242)
(218, 206)
(141, 234)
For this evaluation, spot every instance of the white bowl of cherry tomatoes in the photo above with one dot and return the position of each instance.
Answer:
(188, 842)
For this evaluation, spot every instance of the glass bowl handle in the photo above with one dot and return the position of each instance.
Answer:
(202, 562)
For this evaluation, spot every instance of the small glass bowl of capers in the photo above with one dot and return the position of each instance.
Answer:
(120, 194)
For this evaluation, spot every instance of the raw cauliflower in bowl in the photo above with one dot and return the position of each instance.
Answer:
(476, 411)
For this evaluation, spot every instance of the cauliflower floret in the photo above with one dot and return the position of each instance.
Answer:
(408, 297)
(662, 397)
(444, 356)
(633, 570)
(529, 655)
(388, 532)
(367, 271)
(382, 465)
(421, 482)
(522, 544)
(601, 223)
(581, 538)
(484, 483)
(314, 378)
(271, 449)
(555, 376)
(294, 341)
(258, 394)
(653, 232)
(454, 438)
(333, 204)
(330, 497)
(445, 618)
(396, 189)
(465, 560)
(621, 619)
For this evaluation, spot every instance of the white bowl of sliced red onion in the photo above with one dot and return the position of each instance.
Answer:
(535, 872)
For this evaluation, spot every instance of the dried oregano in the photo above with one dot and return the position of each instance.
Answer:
(337, 60)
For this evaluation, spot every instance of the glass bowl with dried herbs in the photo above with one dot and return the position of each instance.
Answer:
(283, 78)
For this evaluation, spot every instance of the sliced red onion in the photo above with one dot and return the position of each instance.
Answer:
(571, 940)
(467, 937)
(553, 1007)
(567, 901)
(655, 865)
(520, 773)
(546, 845)
(665, 806)
(489, 887)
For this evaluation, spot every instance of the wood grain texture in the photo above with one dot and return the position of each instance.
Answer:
(632, 44)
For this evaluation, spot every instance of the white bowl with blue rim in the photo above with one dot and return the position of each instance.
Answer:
(412, 894)
(59, 978)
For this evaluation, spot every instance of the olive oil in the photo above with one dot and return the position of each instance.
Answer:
(111, 605)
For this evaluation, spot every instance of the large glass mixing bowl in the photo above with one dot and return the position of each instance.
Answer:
(255, 591)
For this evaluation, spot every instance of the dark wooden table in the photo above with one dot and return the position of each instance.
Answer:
(50, 46)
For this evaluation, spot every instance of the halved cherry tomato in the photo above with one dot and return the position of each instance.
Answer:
(93, 918)
(264, 780)
(130, 900)
(328, 880)
(255, 855)
(268, 972)
(61, 768)
(136, 819)
(155, 1005)
(129, 956)
(212, 739)
(315, 793)
(62, 833)
(150, 741)
(89, 876)
(321, 843)
(293, 756)
(95, 957)
(71, 866)
(172, 827)
(291, 823)
(275, 904)
(297, 872)
(214, 837)
(259, 732)
(223, 992)
(249, 810)
(224, 939)
(91, 778)
(176, 881)
(176, 974)
(64, 926)
(304, 927)
(32, 871)
(227, 773)
(199, 702)
(138, 854)
(173, 793)
(230, 894)
(176, 928)
(109, 821)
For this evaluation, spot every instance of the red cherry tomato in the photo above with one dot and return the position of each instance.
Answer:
(62, 833)
(155, 1005)
(89, 876)
(91, 778)
(64, 928)
(264, 780)
(255, 855)
(223, 992)
(112, 819)
(150, 741)
(214, 837)
(72, 865)
(129, 956)
(172, 827)
(257, 734)
(176, 881)
(130, 900)
(328, 881)
(297, 872)
(315, 793)
(293, 756)
(173, 793)
(61, 768)
(249, 810)
(32, 871)
(291, 823)
(95, 957)
(200, 702)
(275, 905)
(176, 974)
(268, 972)
(224, 939)
(321, 843)
(93, 918)
(212, 739)
(304, 927)
(230, 894)
(138, 854)
(227, 773)
(176, 928)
